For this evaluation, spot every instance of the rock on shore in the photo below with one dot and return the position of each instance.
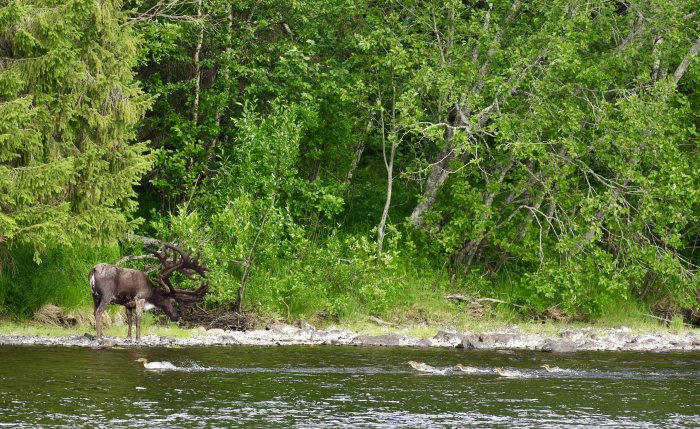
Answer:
(513, 338)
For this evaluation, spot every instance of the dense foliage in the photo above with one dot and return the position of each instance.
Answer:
(69, 107)
(359, 156)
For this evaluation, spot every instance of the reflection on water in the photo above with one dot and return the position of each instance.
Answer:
(344, 386)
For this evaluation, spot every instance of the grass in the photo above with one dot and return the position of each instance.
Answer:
(424, 321)
(173, 331)
(411, 297)
(422, 309)
(426, 328)
(33, 328)
(494, 325)
(148, 327)
(628, 313)
(60, 279)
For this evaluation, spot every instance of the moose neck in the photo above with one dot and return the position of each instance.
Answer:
(163, 300)
(159, 297)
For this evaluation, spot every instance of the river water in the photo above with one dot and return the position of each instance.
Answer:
(326, 386)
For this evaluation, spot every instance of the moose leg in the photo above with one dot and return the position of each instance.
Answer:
(99, 309)
(140, 304)
(129, 312)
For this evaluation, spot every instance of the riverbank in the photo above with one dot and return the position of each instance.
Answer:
(563, 340)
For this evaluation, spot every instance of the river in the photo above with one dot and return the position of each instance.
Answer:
(334, 386)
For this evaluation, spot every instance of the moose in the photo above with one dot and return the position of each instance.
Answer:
(133, 289)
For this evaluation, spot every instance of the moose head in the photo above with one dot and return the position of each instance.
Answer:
(133, 289)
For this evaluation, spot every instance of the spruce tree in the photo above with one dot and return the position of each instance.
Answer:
(69, 106)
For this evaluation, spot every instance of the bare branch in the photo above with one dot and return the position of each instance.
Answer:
(438, 38)
(484, 30)
(635, 31)
(198, 66)
(359, 149)
(683, 66)
(380, 322)
(285, 26)
(148, 241)
(133, 258)
(167, 10)
(656, 72)
(458, 297)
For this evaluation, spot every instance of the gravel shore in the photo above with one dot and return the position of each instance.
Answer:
(565, 341)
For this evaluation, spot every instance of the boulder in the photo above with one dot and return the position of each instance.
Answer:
(486, 341)
(448, 338)
(558, 346)
(424, 342)
(377, 340)
(305, 326)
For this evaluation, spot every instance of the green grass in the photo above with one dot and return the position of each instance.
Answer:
(426, 326)
(148, 327)
(413, 297)
(360, 326)
(33, 328)
(629, 313)
(421, 312)
(61, 278)
(409, 295)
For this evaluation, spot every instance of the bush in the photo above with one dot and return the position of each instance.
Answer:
(60, 279)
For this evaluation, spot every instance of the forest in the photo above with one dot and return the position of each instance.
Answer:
(338, 158)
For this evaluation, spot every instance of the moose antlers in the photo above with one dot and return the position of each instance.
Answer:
(173, 259)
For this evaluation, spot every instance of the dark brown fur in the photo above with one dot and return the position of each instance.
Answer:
(131, 288)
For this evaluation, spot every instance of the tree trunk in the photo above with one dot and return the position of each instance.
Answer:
(244, 285)
(220, 108)
(389, 165)
(359, 149)
(440, 170)
(197, 65)
(467, 254)
(387, 203)
(683, 66)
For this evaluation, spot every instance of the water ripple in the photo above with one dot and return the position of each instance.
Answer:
(340, 387)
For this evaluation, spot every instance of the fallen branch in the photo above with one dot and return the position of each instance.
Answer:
(133, 258)
(380, 322)
(458, 297)
(661, 319)
(668, 321)
(148, 241)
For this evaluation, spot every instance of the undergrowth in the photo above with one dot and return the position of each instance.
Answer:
(342, 283)
(61, 278)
